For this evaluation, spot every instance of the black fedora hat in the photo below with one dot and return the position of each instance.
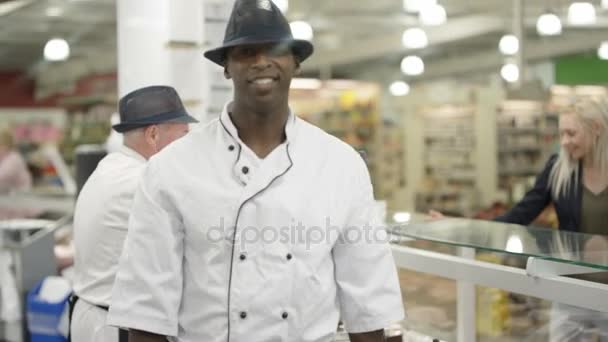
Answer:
(258, 22)
(150, 106)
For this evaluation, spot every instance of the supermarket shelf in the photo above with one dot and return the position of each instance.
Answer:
(520, 149)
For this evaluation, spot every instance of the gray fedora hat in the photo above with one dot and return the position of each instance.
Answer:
(150, 106)
(258, 22)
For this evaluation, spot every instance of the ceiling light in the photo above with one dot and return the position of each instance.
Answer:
(510, 72)
(414, 6)
(432, 15)
(549, 24)
(54, 12)
(399, 88)
(412, 66)
(581, 13)
(56, 49)
(602, 51)
(301, 30)
(283, 5)
(414, 38)
(508, 45)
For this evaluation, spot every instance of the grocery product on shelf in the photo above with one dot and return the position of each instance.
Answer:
(527, 135)
(449, 183)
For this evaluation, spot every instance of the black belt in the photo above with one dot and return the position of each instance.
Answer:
(123, 335)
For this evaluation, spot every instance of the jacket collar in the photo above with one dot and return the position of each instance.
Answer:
(132, 153)
(230, 128)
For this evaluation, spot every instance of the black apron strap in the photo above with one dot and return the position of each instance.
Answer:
(71, 304)
(123, 335)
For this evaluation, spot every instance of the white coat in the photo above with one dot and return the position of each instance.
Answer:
(297, 262)
(100, 227)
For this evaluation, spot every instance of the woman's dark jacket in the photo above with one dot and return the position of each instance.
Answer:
(567, 206)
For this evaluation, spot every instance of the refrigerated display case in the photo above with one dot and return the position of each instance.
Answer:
(554, 266)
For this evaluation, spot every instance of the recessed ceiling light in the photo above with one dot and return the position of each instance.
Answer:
(56, 49)
(412, 66)
(602, 51)
(549, 24)
(414, 38)
(399, 88)
(432, 15)
(301, 30)
(283, 5)
(581, 14)
(508, 45)
(510, 72)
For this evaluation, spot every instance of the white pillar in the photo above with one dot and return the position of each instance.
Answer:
(519, 32)
(489, 98)
(219, 89)
(160, 43)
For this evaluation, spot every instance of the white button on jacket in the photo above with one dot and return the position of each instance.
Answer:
(225, 246)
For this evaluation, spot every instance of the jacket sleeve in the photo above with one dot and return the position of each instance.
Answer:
(535, 200)
(365, 271)
(148, 287)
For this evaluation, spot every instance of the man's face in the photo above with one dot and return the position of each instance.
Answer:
(261, 73)
(170, 132)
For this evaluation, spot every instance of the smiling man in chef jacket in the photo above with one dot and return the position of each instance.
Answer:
(257, 226)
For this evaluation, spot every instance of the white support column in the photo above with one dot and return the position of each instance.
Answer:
(466, 306)
(218, 89)
(486, 161)
(160, 43)
(414, 144)
(518, 31)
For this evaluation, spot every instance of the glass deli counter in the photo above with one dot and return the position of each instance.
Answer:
(550, 265)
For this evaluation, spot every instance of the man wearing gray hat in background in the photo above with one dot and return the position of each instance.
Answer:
(258, 226)
(151, 118)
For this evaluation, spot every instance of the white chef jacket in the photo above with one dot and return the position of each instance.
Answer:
(100, 223)
(180, 274)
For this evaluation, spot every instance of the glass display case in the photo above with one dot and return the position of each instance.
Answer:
(551, 266)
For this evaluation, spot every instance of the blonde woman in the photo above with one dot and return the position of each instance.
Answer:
(576, 182)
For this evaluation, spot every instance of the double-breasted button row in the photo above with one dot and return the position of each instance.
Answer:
(243, 257)
(243, 315)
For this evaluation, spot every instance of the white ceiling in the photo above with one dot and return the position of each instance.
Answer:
(352, 38)
(89, 27)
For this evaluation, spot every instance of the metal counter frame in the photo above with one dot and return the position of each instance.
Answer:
(541, 279)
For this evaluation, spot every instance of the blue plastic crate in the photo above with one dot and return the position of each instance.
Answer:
(43, 318)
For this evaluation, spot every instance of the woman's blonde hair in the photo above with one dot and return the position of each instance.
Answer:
(566, 171)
